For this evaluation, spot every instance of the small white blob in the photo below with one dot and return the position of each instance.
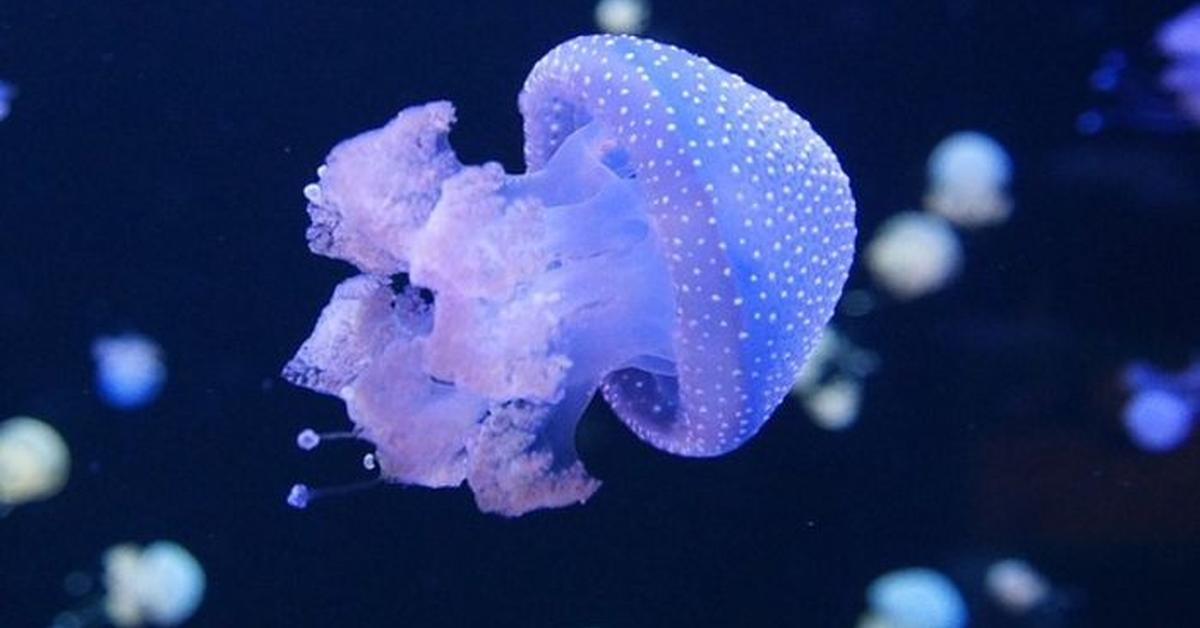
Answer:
(308, 439)
(835, 406)
(34, 461)
(160, 585)
(968, 176)
(129, 370)
(1158, 420)
(914, 598)
(622, 17)
(1016, 586)
(312, 192)
(914, 254)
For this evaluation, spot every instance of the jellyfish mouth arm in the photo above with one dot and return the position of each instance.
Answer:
(376, 189)
(347, 335)
(542, 284)
(515, 468)
(367, 348)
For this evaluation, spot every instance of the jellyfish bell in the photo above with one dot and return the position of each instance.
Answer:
(161, 584)
(914, 254)
(678, 241)
(130, 371)
(622, 17)
(916, 598)
(968, 175)
(34, 461)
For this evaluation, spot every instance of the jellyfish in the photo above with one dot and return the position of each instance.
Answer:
(830, 384)
(1162, 407)
(1016, 586)
(628, 17)
(914, 254)
(914, 598)
(1179, 41)
(968, 175)
(34, 462)
(1159, 95)
(7, 94)
(1158, 420)
(161, 584)
(1134, 93)
(835, 406)
(129, 370)
(678, 242)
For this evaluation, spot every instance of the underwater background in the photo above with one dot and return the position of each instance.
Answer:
(151, 169)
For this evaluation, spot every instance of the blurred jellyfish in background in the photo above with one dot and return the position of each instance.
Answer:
(830, 386)
(623, 17)
(914, 254)
(129, 370)
(34, 462)
(678, 243)
(1179, 41)
(1137, 94)
(7, 94)
(968, 175)
(914, 598)
(835, 406)
(1132, 97)
(1015, 586)
(1158, 420)
(1162, 406)
(160, 584)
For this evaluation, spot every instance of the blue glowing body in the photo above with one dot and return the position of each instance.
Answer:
(1160, 413)
(917, 598)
